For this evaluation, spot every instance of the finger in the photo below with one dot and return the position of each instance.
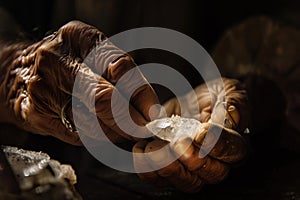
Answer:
(159, 153)
(236, 96)
(172, 107)
(119, 68)
(210, 170)
(205, 115)
(101, 97)
(221, 143)
(88, 124)
(205, 101)
(188, 154)
(141, 163)
(231, 147)
(232, 94)
(80, 38)
(175, 173)
(213, 171)
(110, 62)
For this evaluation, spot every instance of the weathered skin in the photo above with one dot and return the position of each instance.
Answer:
(192, 172)
(37, 80)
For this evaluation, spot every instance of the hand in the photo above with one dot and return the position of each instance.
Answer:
(214, 100)
(189, 172)
(201, 160)
(42, 78)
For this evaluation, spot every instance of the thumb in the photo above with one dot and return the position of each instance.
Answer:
(111, 108)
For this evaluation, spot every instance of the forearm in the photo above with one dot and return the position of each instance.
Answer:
(9, 52)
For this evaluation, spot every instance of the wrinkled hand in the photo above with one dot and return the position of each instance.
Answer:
(42, 80)
(214, 99)
(211, 164)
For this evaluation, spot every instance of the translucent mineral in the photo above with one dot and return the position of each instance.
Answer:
(172, 128)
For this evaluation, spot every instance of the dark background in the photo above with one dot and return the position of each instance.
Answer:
(271, 172)
(202, 20)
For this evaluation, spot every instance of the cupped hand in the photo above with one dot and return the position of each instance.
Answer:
(207, 158)
(196, 161)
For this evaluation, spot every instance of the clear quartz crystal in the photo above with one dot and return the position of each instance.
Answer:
(172, 128)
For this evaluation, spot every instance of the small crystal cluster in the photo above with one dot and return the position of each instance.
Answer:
(174, 127)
